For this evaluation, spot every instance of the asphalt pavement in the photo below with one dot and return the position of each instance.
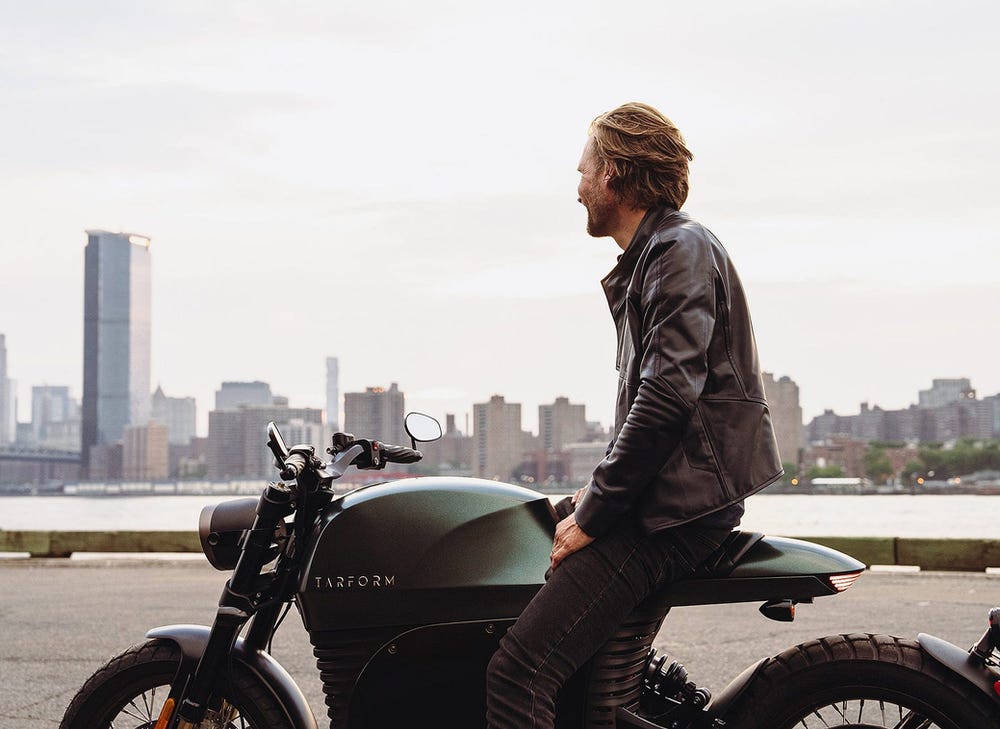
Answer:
(62, 619)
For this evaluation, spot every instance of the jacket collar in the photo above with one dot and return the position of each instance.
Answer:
(615, 284)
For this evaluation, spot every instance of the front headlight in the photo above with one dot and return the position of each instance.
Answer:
(220, 527)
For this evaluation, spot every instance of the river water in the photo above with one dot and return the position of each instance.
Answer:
(784, 514)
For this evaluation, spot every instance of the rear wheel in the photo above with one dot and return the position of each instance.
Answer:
(860, 682)
(130, 690)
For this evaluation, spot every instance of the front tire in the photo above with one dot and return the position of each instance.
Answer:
(130, 690)
(860, 682)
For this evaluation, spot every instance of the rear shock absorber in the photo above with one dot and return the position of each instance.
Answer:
(667, 693)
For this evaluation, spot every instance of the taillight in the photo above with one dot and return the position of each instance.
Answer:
(842, 581)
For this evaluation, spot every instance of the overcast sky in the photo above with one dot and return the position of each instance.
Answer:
(395, 184)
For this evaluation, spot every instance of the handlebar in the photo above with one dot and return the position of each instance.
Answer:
(400, 454)
(377, 454)
(294, 465)
(347, 451)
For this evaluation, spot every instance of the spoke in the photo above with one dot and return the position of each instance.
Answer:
(861, 710)
(881, 708)
(137, 709)
(912, 721)
(126, 712)
(818, 716)
(841, 712)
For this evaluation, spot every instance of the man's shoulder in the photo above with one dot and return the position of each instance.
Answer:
(678, 225)
(682, 235)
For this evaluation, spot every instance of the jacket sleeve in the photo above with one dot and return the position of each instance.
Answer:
(677, 301)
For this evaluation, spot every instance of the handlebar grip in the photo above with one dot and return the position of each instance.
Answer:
(293, 466)
(400, 454)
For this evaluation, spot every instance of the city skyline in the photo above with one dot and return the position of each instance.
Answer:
(416, 215)
(232, 394)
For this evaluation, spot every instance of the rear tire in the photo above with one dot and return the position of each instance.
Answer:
(860, 682)
(130, 689)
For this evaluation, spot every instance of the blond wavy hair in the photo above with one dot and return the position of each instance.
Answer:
(645, 154)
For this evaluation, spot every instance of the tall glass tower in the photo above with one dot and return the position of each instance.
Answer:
(116, 337)
(8, 419)
(333, 393)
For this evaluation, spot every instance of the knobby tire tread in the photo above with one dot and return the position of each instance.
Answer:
(790, 676)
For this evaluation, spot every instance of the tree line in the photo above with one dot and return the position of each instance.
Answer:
(937, 461)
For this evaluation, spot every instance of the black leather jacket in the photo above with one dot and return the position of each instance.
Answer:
(692, 429)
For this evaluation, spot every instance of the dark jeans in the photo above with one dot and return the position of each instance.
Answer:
(577, 610)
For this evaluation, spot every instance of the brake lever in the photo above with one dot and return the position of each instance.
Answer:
(341, 462)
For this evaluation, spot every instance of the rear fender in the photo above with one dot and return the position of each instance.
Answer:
(191, 639)
(961, 662)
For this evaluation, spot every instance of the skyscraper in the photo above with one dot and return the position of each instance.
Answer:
(947, 390)
(333, 393)
(145, 452)
(786, 414)
(498, 443)
(252, 394)
(237, 438)
(376, 413)
(561, 423)
(8, 423)
(116, 337)
(51, 410)
(177, 413)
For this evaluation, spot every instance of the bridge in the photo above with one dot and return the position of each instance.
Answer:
(39, 455)
(31, 470)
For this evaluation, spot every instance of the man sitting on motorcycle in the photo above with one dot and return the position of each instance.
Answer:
(692, 435)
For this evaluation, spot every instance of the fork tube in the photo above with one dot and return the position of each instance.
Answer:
(262, 626)
(237, 604)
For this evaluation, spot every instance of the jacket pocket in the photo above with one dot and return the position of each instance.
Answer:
(696, 444)
(742, 440)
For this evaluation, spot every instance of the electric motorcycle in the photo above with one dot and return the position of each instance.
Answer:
(406, 587)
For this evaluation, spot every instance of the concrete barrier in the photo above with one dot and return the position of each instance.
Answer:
(63, 544)
(959, 555)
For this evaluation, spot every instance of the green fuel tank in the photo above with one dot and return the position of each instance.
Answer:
(426, 550)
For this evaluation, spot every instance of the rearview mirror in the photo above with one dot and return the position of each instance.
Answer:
(422, 428)
(276, 443)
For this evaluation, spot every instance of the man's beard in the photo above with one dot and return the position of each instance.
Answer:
(600, 217)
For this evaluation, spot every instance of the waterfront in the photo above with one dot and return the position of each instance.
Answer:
(931, 516)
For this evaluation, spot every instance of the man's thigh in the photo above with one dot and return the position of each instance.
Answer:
(589, 595)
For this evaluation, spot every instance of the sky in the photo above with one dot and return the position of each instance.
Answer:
(394, 184)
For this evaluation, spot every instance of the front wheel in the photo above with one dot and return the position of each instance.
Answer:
(130, 690)
(860, 682)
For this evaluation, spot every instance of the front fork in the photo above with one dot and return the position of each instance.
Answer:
(978, 665)
(242, 599)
